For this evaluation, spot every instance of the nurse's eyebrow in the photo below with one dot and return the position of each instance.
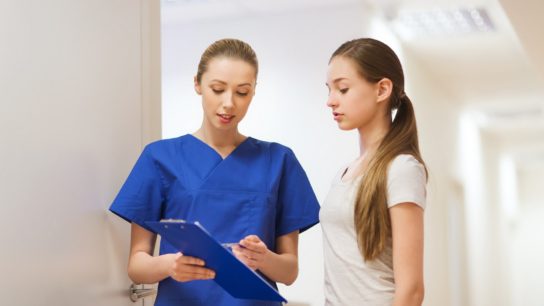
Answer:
(225, 83)
(219, 81)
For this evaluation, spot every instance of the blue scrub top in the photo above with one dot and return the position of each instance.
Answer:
(259, 189)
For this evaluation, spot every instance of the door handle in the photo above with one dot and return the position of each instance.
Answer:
(140, 293)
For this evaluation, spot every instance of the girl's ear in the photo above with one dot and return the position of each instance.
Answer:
(197, 87)
(385, 88)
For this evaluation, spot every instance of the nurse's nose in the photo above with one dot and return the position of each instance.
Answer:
(228, 100)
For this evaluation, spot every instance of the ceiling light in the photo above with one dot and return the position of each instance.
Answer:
(437, 22)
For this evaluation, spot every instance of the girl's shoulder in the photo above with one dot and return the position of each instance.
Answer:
(405, 163)
(406, 181)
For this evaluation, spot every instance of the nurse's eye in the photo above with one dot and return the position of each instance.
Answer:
(344, 90)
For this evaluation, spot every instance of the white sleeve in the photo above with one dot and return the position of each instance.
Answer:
(406, 181)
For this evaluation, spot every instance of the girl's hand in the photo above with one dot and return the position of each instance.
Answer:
(252, 251)
(187, 268)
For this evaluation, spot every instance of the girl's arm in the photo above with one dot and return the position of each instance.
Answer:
(407, 233)
(144, 268)
(279, 267)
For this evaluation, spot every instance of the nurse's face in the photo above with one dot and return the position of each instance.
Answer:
(353, 100)
(227, 87)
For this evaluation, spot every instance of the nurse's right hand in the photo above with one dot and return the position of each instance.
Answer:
(187, 268)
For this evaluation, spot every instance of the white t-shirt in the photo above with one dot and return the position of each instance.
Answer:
(349, 280)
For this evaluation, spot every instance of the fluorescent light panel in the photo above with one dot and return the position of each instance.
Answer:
(443, 22)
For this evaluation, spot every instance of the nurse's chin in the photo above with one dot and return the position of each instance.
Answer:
(226, 126)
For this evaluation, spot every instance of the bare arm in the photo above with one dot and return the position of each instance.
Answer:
(407, 233)
(281, 266)
(144, 268)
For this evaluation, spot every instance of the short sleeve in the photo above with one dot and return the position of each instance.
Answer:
(140, 197)
(406, 181)
(298, 208)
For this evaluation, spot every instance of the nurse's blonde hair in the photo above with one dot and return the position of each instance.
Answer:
(230, 48)
(375, 61)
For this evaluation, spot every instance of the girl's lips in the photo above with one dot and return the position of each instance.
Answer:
(337, 116)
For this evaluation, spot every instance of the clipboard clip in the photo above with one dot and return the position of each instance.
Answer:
(229, 245)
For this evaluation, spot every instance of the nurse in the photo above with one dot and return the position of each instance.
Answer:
(239, 188)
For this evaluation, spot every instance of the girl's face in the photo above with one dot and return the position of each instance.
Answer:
(227, 87)
(354, 101)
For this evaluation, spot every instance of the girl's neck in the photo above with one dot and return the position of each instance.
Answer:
(371, 136)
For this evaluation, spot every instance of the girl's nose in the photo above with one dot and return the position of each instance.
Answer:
(331, 101)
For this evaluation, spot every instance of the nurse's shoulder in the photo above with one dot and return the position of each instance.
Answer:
(275, 149)
(164, 148)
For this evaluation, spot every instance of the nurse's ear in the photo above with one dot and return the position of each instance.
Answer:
(197, 86)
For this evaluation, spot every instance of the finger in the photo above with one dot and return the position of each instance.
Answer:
(252, 238)
(255, 247)
(246, 242)
(252, 264)
(189, 260)
(195, 270)
(237, 251)
(250, 258)
(194, 276)
(243, 251)
(241, 256)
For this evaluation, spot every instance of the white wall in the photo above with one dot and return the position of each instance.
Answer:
(527, 241)
(515, 246)
(73, 119)
(503, 211)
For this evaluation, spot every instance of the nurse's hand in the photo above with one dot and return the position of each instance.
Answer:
(187, 268)
(252, 251)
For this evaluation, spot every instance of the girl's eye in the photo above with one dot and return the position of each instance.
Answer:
(243, 94)
(217, 91)
(344, 90)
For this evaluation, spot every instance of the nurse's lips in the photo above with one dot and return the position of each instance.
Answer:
(225, 118)
(337, 115)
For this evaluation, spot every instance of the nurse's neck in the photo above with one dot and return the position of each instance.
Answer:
(222, 141)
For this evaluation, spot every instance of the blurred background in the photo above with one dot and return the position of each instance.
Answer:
(86, 84)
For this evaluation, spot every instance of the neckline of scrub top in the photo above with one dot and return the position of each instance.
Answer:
(215, 151)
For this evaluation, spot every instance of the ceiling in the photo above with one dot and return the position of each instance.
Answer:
(181, 11)
(499, 73)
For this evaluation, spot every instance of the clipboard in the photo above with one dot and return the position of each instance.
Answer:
(231, 274)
